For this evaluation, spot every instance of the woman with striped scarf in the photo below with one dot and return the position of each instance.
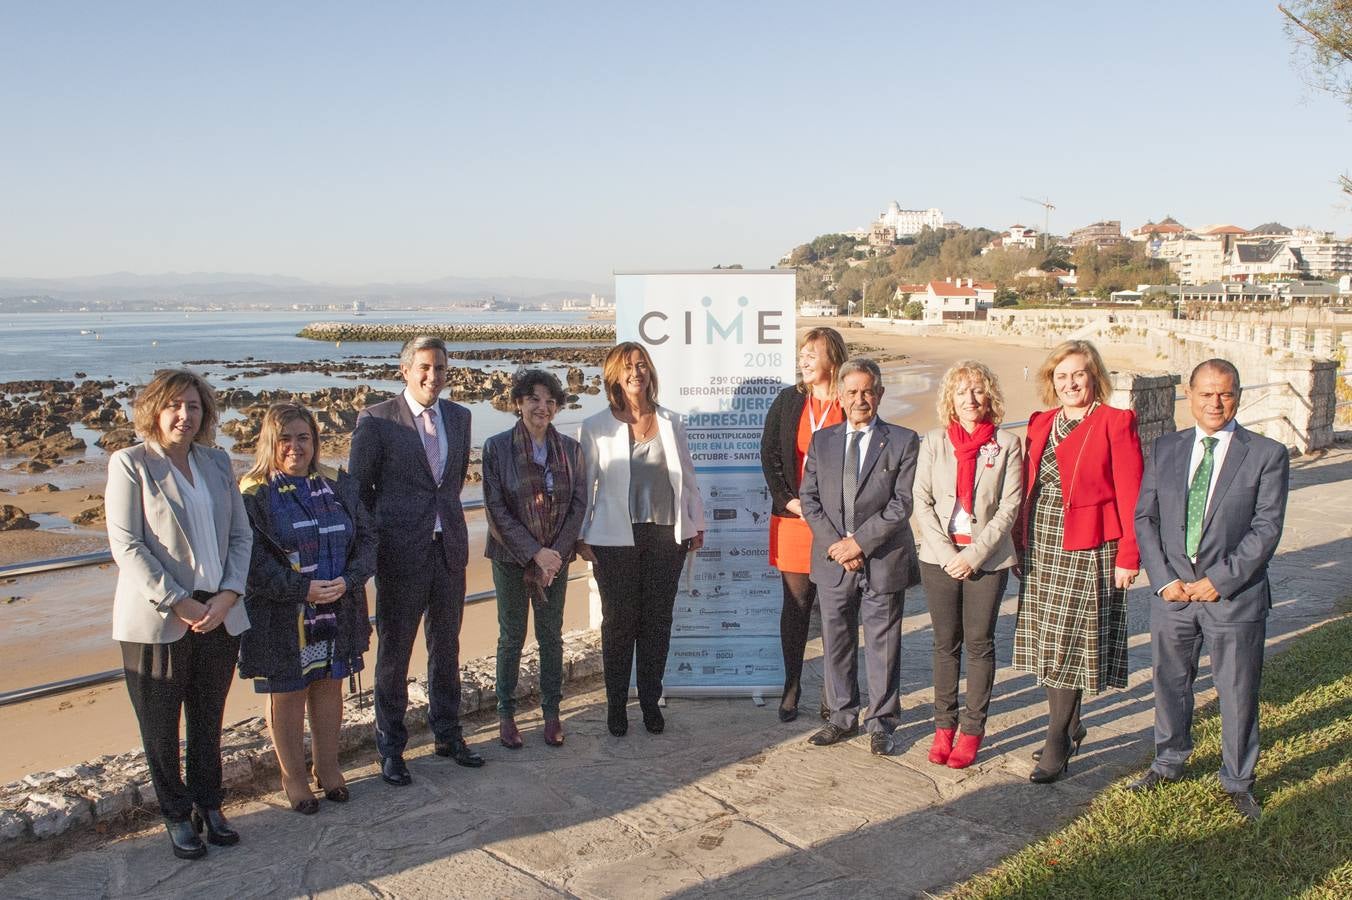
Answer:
(313, 551)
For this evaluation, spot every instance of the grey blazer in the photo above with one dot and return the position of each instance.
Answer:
(1241, 529)
(995, 502)
(147, 533)
(882, 505)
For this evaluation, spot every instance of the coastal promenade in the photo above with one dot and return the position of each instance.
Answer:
(728, 802)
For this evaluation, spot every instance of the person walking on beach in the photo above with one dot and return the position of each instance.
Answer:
(181, 540)
(856, 497)
(796, 415)
(314, 550)
(968, 488)
(1209, 519)
(409, 457)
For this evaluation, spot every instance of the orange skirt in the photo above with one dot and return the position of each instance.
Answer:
(790, 545)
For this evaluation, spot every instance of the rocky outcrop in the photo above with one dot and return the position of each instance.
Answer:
(372, 331)
(14, 519)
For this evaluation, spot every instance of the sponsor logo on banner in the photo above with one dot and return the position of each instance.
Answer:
(723, 515)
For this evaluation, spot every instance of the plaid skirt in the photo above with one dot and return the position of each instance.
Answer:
(1072, 624)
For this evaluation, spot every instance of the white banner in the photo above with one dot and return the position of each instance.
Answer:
(722, 342)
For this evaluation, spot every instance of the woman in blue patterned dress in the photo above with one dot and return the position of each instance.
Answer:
(313, 551)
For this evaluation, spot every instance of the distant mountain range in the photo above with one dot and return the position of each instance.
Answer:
(233, 289)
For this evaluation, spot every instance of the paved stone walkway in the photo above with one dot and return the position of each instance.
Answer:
(728, 802)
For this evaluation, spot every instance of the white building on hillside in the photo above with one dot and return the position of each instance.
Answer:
(1195, 259)
(956, 298)
(908, 222)
(1015, 237)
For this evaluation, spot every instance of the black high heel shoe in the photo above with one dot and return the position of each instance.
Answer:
(1039, 776)
(218, 829)
(183, 836)
(1075, 740)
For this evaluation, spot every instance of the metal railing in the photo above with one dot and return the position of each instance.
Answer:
(80, 682)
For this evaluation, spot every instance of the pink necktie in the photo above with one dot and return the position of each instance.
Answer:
(429, 439)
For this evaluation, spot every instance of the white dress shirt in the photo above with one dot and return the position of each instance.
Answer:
(1218, 452)
(866, 435)
(417, 409)
(206, 554)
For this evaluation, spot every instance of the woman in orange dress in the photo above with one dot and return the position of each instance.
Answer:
(796, 414)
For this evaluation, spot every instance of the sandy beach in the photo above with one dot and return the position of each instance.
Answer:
(55, 626)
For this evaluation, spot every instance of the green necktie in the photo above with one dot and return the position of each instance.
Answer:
(1201, 481)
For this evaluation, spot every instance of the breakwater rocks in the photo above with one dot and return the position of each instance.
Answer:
(590, 332)
(112, 794)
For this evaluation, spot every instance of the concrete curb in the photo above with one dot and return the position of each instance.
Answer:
(106, 794)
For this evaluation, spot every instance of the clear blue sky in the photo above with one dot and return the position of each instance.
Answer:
(352, 141)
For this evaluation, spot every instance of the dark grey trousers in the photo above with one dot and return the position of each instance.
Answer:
(844, 607)
(1176, 637)
(423, 593)
(962, 616)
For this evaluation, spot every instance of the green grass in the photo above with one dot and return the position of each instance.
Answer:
(1186, 841)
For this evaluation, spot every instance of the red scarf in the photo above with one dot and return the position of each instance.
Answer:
(965, 449)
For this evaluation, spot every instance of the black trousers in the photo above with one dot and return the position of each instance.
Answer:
(193, 675)
(638, 589)
(423, 592)
(962, 616)
(794, 620)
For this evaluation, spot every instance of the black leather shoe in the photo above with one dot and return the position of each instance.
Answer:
(832, 733)
(187, 845)
(458, 750)
(393, 770)
(788, 715)
(218, 829)
(654, 721)
(879, 744)
(1149, 781)
(1246, 805)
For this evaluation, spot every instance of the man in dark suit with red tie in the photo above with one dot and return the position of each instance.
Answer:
(409, 455)
(1208, 521)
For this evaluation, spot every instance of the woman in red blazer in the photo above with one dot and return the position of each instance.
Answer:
(1078, 545)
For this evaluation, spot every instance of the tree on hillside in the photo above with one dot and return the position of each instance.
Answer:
(1322, 33)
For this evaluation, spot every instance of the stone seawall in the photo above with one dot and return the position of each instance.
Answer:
(111, 793)
(591, 332)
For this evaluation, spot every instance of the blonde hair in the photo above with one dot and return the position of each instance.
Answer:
(1098, 372)
(612, 373)
(278, 416)
(836, 354)
(970, 370)
(162, 392)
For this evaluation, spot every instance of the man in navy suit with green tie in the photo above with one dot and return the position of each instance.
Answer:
(1208, 521)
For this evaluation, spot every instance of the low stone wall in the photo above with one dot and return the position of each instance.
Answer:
(1151, 397)
(109, 793)
(592, 332)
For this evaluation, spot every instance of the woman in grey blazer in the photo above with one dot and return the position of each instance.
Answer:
(181, 541)
(968, 486)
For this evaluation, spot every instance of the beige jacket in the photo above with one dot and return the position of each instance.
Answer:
(999, 491)
(147, 532)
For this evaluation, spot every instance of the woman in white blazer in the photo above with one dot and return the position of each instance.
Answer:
(644, 513)
(968, 487)
(181, 540)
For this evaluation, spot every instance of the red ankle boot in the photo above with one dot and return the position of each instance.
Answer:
(942, 746)
(964, 752)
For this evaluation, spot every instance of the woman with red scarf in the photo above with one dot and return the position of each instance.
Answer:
(968, 486)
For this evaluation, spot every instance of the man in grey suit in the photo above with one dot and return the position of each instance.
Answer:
(1208, 521)
(409, 456)
(856, 496)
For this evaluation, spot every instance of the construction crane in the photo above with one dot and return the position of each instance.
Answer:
(1047, 207)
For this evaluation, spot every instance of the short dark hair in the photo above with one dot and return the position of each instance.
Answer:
(524, 382)
(1216, 364)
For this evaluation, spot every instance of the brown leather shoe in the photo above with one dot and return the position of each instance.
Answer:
(508, 735)
(553, 732)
